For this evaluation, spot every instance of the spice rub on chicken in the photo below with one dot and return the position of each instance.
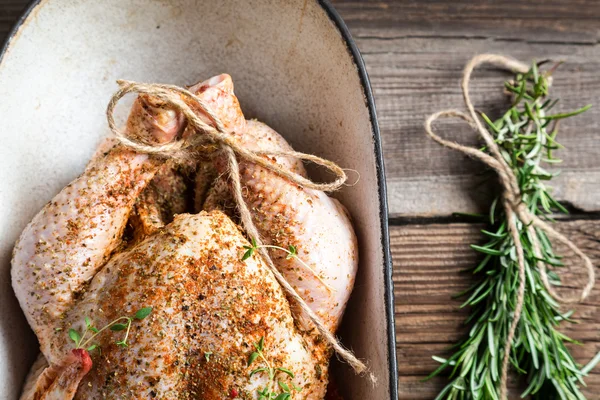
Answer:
(191, 316)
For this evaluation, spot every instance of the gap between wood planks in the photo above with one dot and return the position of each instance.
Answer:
(428, 262)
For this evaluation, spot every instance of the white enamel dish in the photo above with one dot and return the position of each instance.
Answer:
(294, 66)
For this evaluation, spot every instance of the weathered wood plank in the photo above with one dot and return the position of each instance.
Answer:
(507, 20)
(415, 51)
(428, 260)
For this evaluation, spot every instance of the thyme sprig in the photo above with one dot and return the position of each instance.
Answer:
(122, 323)
(526, 135)
(292, 253)
(276, 389)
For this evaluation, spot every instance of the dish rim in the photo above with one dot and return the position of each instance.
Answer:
(342, 28)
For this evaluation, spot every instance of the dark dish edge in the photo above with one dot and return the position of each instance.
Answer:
(13, 32)
(381, 183)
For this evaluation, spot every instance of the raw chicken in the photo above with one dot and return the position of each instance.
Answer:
(285, 214)
(209, 309)
(165, 197)
(74, 235)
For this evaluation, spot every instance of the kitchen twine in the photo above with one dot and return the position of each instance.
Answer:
(215, 134)
(514, 207)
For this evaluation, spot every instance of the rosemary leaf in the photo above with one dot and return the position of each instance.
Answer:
(527, 141)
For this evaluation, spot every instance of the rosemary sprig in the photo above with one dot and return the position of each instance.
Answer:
(120, 324)
(276, 389)
(526, 135)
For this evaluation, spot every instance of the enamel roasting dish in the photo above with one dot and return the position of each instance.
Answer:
(294, 65)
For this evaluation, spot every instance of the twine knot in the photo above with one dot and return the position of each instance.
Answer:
(515, 209)
(214, 133)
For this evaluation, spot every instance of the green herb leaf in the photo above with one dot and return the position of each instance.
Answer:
(271, 372)
(92, 347)
(74, 335)
(261, 344)
(252, 358)
(284, 386)
(118, 327)
(296, 388)
(286, 371)
(143, 313)
(248, 254)
(257, 370)
(207, 355)
(486, 250)
(569, 114)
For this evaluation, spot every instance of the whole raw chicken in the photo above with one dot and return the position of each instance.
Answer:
(193, 321)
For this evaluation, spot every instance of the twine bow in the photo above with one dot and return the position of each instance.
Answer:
(513, 205)
(216, 134)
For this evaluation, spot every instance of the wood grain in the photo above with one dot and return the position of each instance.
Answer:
(428, 260)
(415, 52)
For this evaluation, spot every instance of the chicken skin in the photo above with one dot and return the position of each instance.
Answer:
(285, 214)
(73, 236)
(219, 326)
(209, 309)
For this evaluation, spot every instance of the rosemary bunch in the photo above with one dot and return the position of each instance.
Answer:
(526, 135)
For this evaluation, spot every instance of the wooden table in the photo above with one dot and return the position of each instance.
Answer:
(415, 52)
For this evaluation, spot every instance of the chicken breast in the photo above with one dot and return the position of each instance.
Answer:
(209, 309)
